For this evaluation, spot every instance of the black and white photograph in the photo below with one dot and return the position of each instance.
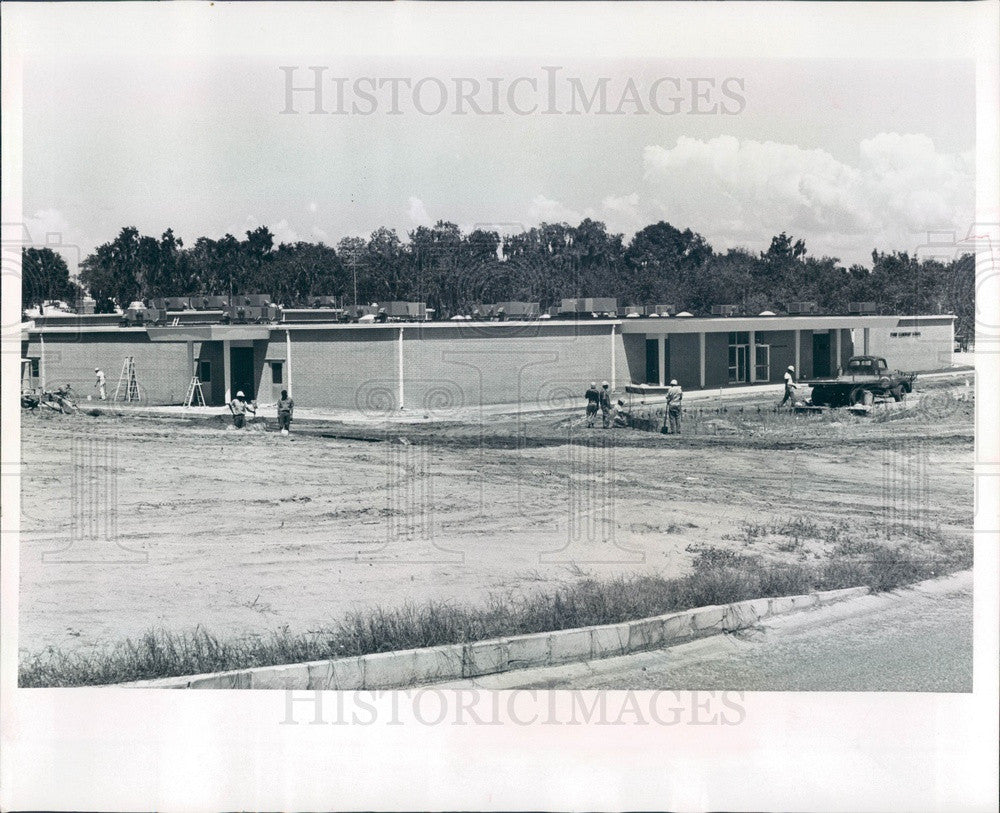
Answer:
(581, 387)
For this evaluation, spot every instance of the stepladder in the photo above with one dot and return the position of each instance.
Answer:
(128, 386)
(195, 395)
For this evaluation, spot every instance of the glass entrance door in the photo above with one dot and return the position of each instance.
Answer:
(739, 363)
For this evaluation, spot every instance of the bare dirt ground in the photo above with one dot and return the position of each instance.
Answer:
(134, 522)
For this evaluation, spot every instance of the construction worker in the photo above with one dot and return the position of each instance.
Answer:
(101, 384)
(672, 418)
(285, 407)
(239, 407)
(605, 401)
(790, 386)
(593, 397)
(623, 418)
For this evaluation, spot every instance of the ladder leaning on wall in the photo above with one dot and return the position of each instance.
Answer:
(128, 386)
(194, 390)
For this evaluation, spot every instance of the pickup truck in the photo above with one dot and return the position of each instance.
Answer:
(865, 378)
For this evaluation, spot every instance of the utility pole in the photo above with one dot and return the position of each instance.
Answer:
(354, 268)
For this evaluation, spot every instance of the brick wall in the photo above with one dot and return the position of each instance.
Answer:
(932, 349)
(478, 364)
(716, 360)
(343, 369)
(161, 367)
(685, 360)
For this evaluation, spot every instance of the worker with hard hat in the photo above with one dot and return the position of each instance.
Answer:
(239, 407)
(605, 402)
(101, 384)
(790, 386)
(672, 418)
(593, 397)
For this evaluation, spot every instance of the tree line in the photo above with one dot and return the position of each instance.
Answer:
(455, 272)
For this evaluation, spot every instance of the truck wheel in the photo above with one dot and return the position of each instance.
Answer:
(820, 396)
(898, 393)
(859, 395)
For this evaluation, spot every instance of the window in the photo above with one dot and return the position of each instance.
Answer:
(277, 372)
(204, 371)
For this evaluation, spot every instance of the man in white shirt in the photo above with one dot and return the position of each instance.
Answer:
(672, 418)
(790, 386)
(101, 384)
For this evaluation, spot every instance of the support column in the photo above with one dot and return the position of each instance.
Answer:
(41, 360)
(753, 356)
(225, 370)
(701, 360)
(798, 354)
(190, 355)
(288, 361)
(613, 385)
(661, 350)
(867, 340)
(836, 362)
(400, 366)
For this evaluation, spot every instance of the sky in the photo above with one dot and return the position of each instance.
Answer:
(848, 155)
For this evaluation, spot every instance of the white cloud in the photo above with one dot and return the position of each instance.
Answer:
(743, 192)
(283, 232)
(546, 210)
(418, 213)
(313, 207)
(44, 226)
(319, 234)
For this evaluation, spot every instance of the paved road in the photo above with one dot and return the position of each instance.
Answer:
(917, 640)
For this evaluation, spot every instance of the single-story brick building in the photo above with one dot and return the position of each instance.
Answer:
(438, 366)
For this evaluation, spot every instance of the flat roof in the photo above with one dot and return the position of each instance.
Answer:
(727, 324)
(644, 325)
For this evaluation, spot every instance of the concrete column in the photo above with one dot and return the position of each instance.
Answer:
(190, 355)
(753, 356)
(41, 360)
(836, 350)
(399, 360)
(701, 360)
(798, 353)
(613, 384)
(867, 340)
(288, 361)
(225, 370)
(661, 349)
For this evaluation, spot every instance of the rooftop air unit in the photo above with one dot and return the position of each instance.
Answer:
(725, 310)
(600, 304)
(519, 310)
(802, 308)
(861, 307)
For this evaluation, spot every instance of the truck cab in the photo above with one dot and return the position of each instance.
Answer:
(874, 366)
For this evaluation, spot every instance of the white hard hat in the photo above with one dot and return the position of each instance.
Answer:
(97, 369)
(791, 367)
(673, 382)
(605, 384)
(593, 384)
(240, 394)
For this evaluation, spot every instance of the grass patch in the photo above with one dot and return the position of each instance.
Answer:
(718, 576)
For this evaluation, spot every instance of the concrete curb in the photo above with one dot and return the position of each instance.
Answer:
(411, 667)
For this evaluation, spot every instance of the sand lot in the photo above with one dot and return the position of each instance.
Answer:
(132, 522)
